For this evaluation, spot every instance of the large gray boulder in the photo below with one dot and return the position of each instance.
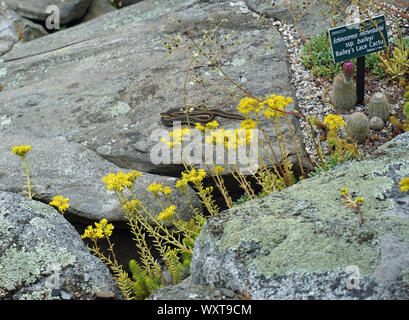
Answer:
(42, 257)
(304, 243)
(104, 83)
(14, 28)
(37, 9)
(59, 167)
(312, 16)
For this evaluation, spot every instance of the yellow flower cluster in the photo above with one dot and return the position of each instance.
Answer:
(208, 126)
(359, 200)
(218, 169)
(167, 213)
(131, 205)
(102, 229)
(172, 252)
(404, 184)
(334, 122)
(269, 106)
(120, 180)
(177, 137)
(193, 176)
(344, 191)
(248, 105)
(21, 150)
(60, 203)
(231, 139)
(248, 124)
(155, 188)
(274, 104)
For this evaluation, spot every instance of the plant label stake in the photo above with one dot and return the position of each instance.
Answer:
(356, 40)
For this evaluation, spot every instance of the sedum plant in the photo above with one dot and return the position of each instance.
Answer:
(21, 151)
(174, 246)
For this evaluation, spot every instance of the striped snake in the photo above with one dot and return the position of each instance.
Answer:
(202, 116)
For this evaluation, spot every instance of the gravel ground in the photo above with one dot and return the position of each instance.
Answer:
(313, 100)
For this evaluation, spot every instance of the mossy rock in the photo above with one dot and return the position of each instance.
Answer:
(304, 243)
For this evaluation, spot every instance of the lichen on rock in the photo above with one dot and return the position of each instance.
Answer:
(299, 243)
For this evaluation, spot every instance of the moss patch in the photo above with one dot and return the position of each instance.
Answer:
(308, 228)
(21, 267)
(40, 208)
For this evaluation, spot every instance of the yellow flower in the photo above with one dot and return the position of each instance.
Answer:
(172, 252)
(167, 190)
(92, 233)
(216, 137)
(404, 183)
(21, 150)
(200, 127)
(248, 124)
(177, 137)
(344, 191)
(155, 188)
(167, 142)
(274, 104)
(133, 175)
(120, 180)
(60, 203)
(218, 169)
(359, 200)
(212, 125)
(230, 139)
(247, 105)
(102, 229)
(194, 176)
(247, 135)
(181, 183)
(334, 122)
(179, 132)
(131, 205)
(167, 213)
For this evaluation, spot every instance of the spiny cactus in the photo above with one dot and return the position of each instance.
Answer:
(376, 123)
(358, 126)
(344, 89)
(378, 106)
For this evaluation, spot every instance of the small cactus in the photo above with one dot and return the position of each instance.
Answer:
(378, 106)
(344, 89)
(358, 126)
(376, 123)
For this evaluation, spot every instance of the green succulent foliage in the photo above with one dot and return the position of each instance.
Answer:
(331, 163)
(406, 109)
(372, 64)
(143, 283)
(322, 53)
(174, 266)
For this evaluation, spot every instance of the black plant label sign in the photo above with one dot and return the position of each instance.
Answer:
(358, 39)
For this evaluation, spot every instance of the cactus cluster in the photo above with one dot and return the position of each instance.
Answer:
(378, 106)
